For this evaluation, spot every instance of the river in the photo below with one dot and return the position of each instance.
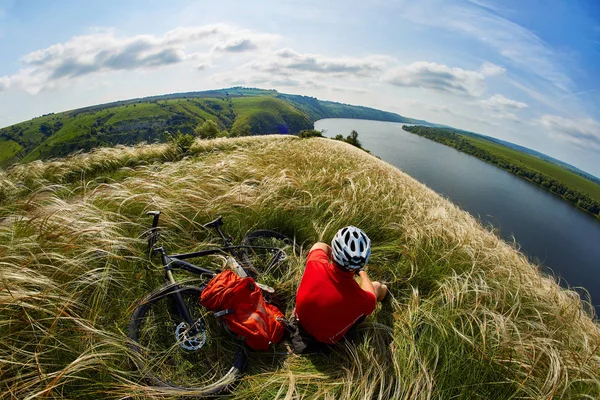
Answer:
(549, 230)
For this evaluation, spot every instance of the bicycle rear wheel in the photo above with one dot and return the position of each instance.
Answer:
(198, 360)
(268, 252)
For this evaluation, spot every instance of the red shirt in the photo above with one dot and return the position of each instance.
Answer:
(329, 300)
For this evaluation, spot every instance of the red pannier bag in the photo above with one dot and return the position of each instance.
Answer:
(240, 302)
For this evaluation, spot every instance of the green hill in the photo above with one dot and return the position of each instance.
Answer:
(133, 121)
(556, 171)
(467, 317)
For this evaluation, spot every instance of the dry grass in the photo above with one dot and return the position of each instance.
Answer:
(467, 317)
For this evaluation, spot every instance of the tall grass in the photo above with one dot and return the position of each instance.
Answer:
(467, 315)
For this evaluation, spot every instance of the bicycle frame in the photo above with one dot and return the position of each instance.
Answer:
(177, 261)
(171, 262)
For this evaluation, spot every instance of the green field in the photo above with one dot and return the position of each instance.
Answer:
(268, 113)
(555, 171)
(8, 150)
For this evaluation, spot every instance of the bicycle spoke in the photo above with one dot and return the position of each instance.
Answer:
(269, 253)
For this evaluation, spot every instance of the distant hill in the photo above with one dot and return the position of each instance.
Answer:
(237, 109)
(534, 153)
(553, 160)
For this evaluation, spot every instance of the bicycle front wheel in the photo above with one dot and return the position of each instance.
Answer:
(267, 252)
(172, 355)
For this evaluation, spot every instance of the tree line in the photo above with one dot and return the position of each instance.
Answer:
(450, 138)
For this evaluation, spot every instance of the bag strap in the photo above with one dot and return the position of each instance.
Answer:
(287, 325)
(222, 313)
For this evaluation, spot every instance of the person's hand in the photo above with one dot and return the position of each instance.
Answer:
(357, 272)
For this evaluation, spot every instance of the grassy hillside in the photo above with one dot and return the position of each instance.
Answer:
(269, 115)
(8, 151)
(535, 154)
(467, 316)
(253, 111)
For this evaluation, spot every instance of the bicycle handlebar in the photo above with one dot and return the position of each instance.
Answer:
(214, 224)
(156, 215)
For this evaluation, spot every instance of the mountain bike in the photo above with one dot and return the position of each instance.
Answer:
(178, 345)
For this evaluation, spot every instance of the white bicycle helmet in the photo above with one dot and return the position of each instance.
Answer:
(351, 248)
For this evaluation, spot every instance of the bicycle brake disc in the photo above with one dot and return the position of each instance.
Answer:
(187, 342)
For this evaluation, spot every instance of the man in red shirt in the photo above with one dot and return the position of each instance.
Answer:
(329, 301)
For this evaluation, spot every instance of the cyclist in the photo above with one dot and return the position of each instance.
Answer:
(329, 301)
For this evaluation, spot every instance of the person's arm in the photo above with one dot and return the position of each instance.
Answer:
(322, 246)
(365, 283)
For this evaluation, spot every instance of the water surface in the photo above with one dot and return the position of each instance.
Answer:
(549, 230)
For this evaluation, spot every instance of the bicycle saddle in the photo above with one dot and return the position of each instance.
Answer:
(214, 224)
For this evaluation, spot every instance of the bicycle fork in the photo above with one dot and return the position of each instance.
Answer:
(181, 310)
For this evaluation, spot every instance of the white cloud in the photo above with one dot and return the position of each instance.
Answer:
(442, 78)
(286, 82)
(183, 35)
(202, 66)
(499, 103)
(287, 62)
(505, 115)
(440, 108)
(519, 46)
(490, 69)
(484, 4)
(500, 107)
(106, 51)
(247, 42)
(236, 46)
(4, 82)
(543, 94)
(584, 133)
(285, 68)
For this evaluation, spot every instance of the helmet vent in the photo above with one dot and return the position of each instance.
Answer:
(351, 248)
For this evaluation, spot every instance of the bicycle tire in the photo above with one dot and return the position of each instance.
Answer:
(259, 260)
(157, 348)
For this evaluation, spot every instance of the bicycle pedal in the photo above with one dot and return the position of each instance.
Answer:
(265, 288)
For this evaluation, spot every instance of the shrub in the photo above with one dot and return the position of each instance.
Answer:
(208, 130)
(352, 139)
(240, 130)
(182, 142)
(308, 133)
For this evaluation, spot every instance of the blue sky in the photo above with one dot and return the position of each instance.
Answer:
(523, 71)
